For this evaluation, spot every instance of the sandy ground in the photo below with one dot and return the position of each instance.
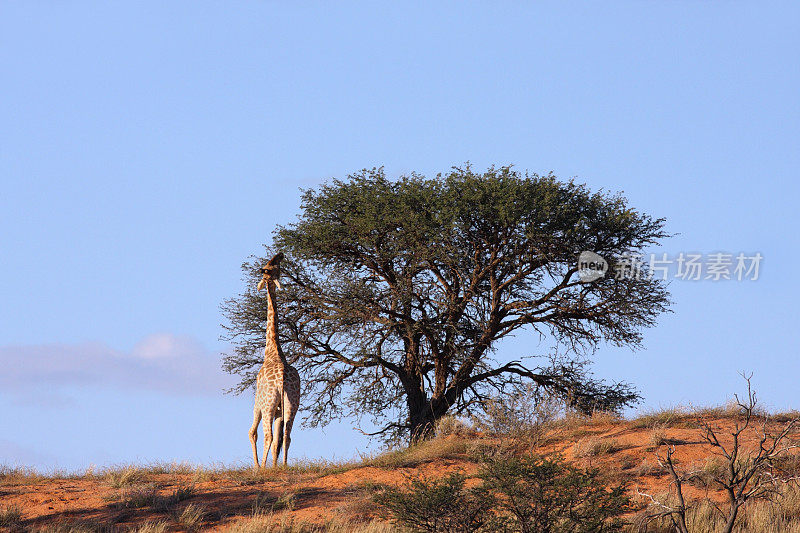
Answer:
(316, 497)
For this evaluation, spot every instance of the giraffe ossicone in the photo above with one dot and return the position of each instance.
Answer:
(277, 384)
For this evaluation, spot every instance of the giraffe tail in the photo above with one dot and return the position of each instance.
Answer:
(283, 417)
(283, 399)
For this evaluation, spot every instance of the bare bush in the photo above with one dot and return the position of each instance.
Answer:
(451, 425)
(521, 413)
(745, 469)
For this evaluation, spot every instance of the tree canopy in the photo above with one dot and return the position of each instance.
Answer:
(397, 293)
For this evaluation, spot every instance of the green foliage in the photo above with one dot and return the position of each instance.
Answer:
(549, 495)
(528, 494)
(442, 505)
(397, 293)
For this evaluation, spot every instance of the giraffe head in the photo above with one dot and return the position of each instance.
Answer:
(271, 272)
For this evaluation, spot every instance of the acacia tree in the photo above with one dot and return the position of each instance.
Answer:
(396, 293)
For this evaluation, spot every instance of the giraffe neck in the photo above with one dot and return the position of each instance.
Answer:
(273, 352)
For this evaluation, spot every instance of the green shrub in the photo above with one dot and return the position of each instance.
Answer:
(534, 494)
(442, 505)
(528, 494)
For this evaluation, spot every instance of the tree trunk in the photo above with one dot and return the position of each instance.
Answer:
(731, 519)
(420, 416)
(424, 416)
(422, 424)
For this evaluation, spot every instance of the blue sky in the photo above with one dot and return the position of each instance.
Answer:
(148, 148)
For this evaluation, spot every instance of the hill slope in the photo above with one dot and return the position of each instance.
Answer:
(339, 496)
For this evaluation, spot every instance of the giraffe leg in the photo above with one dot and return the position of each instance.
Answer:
(254, 435)
(287, 430)
(267, 422)
(271, 412)
(276, 442)
(288, 421)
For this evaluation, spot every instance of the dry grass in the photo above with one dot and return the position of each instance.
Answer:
(147, 495)
(10, 516)
(152, 489)
(262, 503)
(599, 418)
(574, 426)
(595, 446)
(301, 469)
(125, 476)
(687, 417)
(358, 509)
(265, 503)
(658, 436)
(19, 476)
(191, 517)
(152, 527)
(271, 523)
(785, 416)
(728, 410)
(761, 516)
(788, 464)
(203, 475)
(322, 467)
(285, 502)
(628, 463)
(667, 417)
(452, 426)
(76, 526)
(360, 505)
(138, 496)
(648, 468)
(248, 476)
(421, 453)
(713, 468)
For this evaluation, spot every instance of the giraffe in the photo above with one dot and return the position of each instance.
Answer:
(277, 384)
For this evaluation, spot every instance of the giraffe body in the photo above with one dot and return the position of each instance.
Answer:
(277, 384)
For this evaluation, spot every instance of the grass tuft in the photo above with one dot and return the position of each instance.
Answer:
(667, 417)
(136, 497)
(191, 517)
(11, 516)
(759, 516)
(151, 527)
(19, 476)
(424, 452)
(595, 446)
(271, 523)
(124, 477)
(285, 502)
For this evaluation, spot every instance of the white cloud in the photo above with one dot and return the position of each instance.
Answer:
(161, 362)
(165, 345)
